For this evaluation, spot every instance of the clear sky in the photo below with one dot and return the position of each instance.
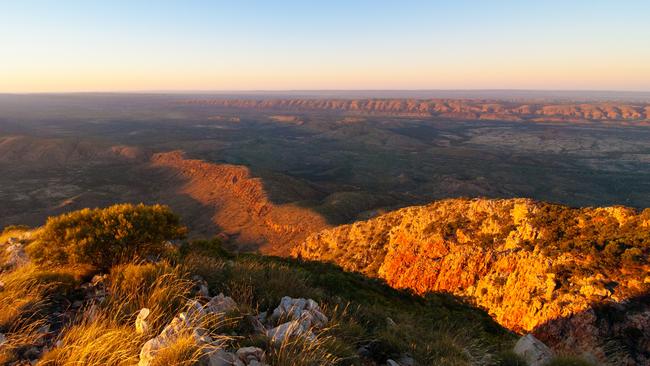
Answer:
(138, 45)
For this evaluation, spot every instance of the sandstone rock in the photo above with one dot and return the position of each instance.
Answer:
(533, 351)
(149, 351)
(220, 357)
(221, 304)
(166, 338)
(289, 329)
(141, 324)
(306, 311)
(188, 322)
(250, 355)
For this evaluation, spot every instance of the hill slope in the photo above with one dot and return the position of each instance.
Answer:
(67, 298)
(572, 276)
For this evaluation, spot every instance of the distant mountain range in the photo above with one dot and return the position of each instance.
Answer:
(455, 109)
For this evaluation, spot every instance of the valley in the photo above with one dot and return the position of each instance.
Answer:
(376, 188)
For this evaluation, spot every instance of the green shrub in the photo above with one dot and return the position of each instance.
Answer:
(104, 237)
(208, 248)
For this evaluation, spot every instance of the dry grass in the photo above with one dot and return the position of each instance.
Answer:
(29, 296)
(183, 352)
(100, 341)
(28, 290)
(162, 288)
(302, 351)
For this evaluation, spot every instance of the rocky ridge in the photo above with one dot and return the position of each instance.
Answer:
(241, 203)
(456, 109)
(494, 253)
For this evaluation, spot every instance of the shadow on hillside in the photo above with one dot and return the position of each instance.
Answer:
(616, 330)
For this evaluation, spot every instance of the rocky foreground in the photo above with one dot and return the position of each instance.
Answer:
(113, 287)
(293, 320)
(576, 278)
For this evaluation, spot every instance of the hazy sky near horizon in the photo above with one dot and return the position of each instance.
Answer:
(138, 45)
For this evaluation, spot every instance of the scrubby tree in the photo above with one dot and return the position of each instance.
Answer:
(104, 237)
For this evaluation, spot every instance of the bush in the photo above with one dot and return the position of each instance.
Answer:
(208, 248)
(104, 237)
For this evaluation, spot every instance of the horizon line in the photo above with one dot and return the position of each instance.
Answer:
(242, 91)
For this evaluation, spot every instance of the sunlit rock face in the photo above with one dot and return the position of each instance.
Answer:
(572, 277)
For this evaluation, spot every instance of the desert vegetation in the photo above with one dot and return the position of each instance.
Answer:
(83, 304)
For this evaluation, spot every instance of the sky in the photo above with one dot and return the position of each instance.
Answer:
(202, 45)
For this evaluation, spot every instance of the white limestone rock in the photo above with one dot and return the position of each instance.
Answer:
(141, 324)
(533, 351)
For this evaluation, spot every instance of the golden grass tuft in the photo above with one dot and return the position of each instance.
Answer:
(100, 341)
(161, 287)
(302, 351)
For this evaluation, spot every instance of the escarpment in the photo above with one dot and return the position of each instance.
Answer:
(457, 109)
(240, 203)
(536, 267)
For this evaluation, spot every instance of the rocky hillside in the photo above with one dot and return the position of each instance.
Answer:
(448, 108)
(119, 286)
(241, 204)
(576, 278)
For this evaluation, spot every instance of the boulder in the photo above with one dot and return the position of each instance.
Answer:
(533, 351)
(188, 322)
(141, 324)
(306, 311)
(221, 304)
(220, 357)
(283, 331)
(250, 355)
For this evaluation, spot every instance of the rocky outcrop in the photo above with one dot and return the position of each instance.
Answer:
(241, 203)
(297, 317)
(501, 255)
(293, 318)
(445, 108)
